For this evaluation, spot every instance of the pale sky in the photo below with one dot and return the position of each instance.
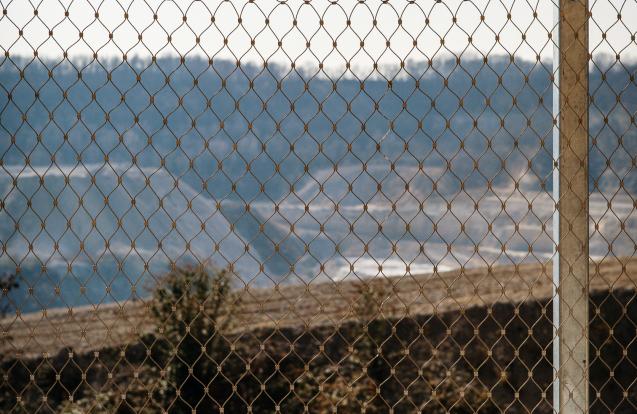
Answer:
(294, 23)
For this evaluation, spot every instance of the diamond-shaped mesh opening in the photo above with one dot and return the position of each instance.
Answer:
(315, 206)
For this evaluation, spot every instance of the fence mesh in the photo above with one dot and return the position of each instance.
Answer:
(315, 206)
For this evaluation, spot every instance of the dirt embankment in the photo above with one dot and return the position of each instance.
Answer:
(95, 327)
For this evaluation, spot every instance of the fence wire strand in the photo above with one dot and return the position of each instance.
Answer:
(315, 206)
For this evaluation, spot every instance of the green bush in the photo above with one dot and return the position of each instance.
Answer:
(8, 282)
(192, 306)
(376, 375)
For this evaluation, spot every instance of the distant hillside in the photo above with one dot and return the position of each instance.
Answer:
(283, 177)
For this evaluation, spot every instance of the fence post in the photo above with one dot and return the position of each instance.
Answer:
(573, 255)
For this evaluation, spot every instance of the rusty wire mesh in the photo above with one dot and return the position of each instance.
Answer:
(260, 206)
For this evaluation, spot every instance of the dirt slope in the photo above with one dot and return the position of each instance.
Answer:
(91, 328)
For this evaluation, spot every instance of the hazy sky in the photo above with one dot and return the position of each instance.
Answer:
(200, 27)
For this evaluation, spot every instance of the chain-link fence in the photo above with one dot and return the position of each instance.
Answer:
(315, 206)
